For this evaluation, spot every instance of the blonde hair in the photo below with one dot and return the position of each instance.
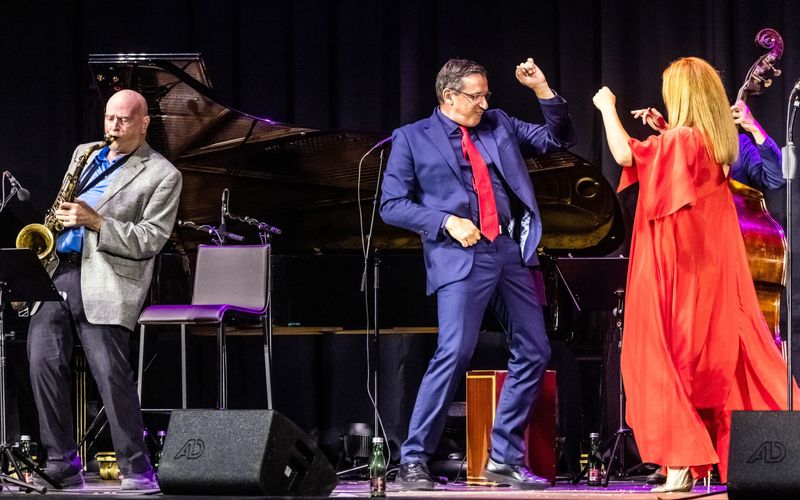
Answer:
(695, 97)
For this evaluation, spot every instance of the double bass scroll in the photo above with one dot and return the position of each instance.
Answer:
(760, 75)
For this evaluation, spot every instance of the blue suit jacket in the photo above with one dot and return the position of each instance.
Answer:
(423, 184)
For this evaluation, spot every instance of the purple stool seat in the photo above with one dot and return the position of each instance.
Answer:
(196, 313)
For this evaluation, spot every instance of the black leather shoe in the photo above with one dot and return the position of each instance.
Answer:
(518, 476)
(414, 476)
(657, 477)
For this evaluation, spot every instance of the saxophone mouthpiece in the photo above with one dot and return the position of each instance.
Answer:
(109, 139)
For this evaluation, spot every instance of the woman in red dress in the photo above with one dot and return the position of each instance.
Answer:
(696, 344)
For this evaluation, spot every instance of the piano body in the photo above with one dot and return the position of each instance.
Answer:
(305, 181)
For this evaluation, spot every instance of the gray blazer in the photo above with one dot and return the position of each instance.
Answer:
(139, 210)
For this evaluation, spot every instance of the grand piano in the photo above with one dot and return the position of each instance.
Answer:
(310, 184)
(306, 180)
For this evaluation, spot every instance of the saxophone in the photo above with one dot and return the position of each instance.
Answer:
(41, 237)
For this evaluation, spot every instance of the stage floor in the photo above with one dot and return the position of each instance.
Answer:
(455, 491)
(562, 490)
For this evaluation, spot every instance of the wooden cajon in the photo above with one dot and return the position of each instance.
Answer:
(483, 393)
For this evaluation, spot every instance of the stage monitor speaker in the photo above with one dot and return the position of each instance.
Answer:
(764, 460)
(241, 452)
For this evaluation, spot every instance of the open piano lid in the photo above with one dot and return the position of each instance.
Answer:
(305, 180)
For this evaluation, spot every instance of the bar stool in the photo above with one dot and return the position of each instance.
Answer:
(230, 281)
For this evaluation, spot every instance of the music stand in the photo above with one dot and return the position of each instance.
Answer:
(598, 284)
(22, 278)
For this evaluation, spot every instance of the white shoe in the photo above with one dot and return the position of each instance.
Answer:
(144, 481)
(678, 481)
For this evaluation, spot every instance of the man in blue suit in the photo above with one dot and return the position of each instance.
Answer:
(479, 237)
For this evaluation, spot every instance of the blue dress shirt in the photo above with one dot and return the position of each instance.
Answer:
(71, 239)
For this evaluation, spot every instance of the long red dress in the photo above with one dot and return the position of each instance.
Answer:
(695, 345)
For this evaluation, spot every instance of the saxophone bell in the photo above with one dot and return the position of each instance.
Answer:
(38, 238)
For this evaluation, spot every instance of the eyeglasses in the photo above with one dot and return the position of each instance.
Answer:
(474, 97)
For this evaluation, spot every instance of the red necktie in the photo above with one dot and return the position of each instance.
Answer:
(490, 226)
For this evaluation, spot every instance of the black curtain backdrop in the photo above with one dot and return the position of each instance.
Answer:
(369, 65)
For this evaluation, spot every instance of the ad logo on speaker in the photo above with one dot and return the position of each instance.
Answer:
(770, 452)
(192, 449)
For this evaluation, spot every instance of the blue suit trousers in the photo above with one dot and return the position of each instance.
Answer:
(500, 280)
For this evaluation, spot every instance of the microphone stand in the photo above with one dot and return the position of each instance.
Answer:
(6, 198)
(789, 168)
(373, 352)
(376, 352)
(6, 452)
(218, 235)
(223, 212)
(265, 232)
(373, 335)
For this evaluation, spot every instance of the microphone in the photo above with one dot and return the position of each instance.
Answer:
(22, 193)
(268, 228)
(262, 226)
(226, 234)
(388, 139)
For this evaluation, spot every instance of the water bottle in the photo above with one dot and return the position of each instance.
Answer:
(25, 451)
(594, 463)
(162, 436)
(146, 439)
(377, 469)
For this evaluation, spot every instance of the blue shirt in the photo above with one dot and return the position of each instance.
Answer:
(758, 165)
(71, 239)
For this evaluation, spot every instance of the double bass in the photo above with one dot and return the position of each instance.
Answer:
(764, 238)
